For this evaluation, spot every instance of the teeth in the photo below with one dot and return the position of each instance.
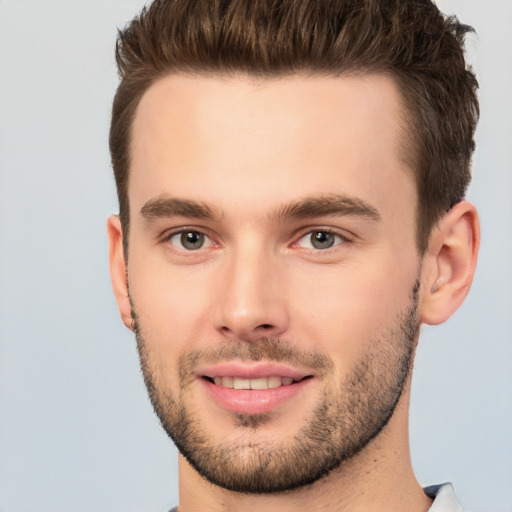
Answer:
(241, 383)
(260, 383)
(274, 382)
(227, 382)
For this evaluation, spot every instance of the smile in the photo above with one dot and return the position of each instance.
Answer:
(256, 383)
(253, 389)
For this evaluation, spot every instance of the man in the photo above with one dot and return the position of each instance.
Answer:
(291, 177)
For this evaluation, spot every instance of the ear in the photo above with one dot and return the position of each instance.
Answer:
(118, 273)
(449, 264)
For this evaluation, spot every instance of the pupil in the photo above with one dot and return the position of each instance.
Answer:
(322, 240)
(192, 240)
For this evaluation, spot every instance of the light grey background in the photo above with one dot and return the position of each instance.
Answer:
(77, 432)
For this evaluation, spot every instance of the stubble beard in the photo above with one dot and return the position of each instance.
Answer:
(347, 417)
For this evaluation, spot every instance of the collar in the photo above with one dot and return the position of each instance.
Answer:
(444, 498)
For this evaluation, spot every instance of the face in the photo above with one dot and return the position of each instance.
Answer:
(273, 270)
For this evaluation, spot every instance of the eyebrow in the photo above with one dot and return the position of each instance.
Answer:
(327, 205)
(318, 206)
(164, 206)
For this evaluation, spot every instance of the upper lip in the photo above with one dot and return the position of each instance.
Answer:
(252, 370)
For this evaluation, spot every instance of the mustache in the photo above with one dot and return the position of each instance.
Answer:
(268, 349)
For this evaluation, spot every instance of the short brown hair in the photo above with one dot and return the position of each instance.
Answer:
(410, 40)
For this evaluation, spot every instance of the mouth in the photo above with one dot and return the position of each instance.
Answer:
(254, 388)
(259, 383)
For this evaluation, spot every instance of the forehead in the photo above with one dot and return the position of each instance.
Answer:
(235, 139)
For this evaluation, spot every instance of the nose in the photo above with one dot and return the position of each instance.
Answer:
(252, 301)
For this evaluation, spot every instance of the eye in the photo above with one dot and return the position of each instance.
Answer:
(190, 240)
(320, 239)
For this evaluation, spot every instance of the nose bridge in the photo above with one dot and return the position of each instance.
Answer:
(252, 299)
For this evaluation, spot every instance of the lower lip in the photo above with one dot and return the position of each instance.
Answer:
(254, 401)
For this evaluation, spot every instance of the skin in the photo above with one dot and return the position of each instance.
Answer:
(248, 150)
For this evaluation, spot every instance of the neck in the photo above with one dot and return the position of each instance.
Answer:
(379, 478)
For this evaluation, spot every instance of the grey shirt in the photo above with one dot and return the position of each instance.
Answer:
(443, 496)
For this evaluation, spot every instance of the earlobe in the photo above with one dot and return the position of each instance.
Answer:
(118, 273)
(449, 264)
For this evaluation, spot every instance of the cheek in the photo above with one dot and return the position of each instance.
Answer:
(172, 310)
(351, 310)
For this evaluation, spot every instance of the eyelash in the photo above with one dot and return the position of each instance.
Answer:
(343, 239)
(182, 231)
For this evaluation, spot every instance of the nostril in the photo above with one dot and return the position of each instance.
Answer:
(266, 326)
